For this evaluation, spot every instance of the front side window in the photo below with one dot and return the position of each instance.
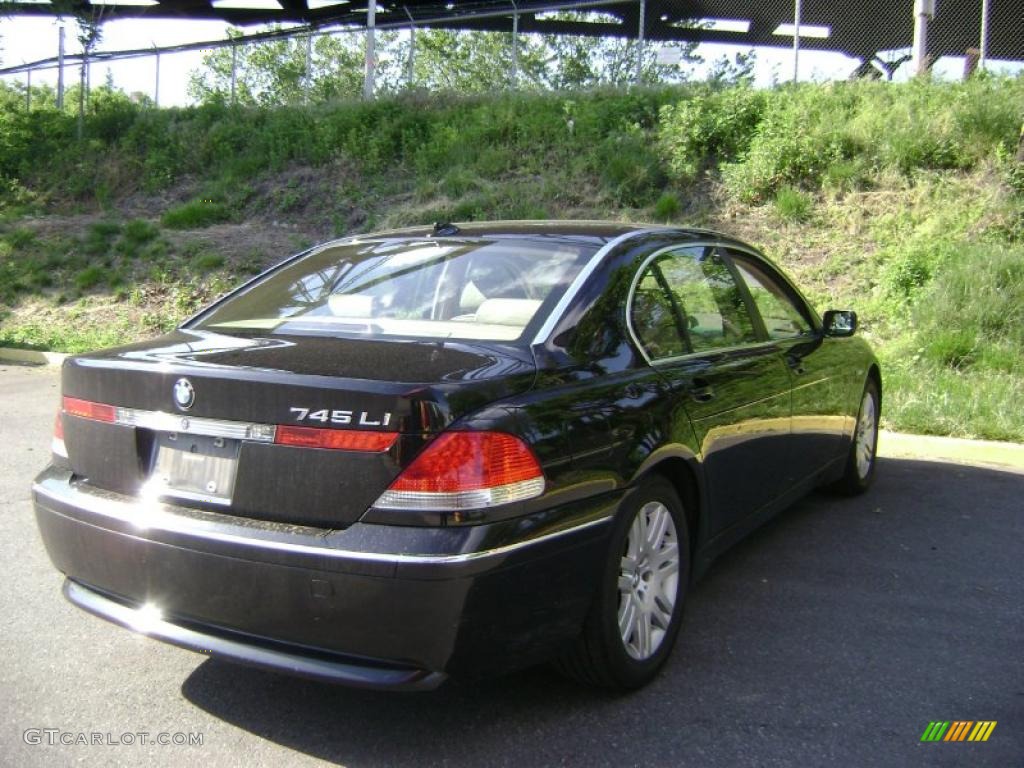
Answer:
(781, 315)
(689, 295)
(465, 289)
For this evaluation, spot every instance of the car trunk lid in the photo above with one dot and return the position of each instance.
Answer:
(204, 418)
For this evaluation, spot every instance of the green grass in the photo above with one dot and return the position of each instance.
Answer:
(208, 262)
(668, 207)
(195, 214)
(90, 277)
(793, 205)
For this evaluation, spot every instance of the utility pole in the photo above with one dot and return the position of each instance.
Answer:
(156, 85)
(60, 67)
(371, 50)
(28, 89)
(924, 11)
(797, 9)
(640, 42)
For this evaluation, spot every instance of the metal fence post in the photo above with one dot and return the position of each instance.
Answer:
(60, 67)
(515, 45)
(309, 67)
(983, 45)
(234, 71)
(81, 93)
(797, 9)
(371, 53)
(640, 42)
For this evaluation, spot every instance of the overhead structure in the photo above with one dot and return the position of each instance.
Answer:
(859, 28)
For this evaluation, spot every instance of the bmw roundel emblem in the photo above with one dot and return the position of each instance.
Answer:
(184, 394)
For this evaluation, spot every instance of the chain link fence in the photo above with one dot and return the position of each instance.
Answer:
(589, 45)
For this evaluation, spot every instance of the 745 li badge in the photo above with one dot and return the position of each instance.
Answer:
(324, 416)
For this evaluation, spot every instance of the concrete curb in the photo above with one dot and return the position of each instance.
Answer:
(34, 356)
(896, 445)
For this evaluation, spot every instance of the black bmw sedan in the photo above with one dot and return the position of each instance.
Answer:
(400, 457)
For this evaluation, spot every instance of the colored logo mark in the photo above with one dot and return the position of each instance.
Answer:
(958, 730)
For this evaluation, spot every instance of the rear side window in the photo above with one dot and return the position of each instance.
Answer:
(700, 296)
(480, 289)
(783, 318)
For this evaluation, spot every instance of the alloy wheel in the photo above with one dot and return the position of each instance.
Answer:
(867, 426)
(648, 581)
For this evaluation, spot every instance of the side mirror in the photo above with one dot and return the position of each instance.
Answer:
(839, 322)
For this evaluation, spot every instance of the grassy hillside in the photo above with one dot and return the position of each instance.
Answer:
(904, 202)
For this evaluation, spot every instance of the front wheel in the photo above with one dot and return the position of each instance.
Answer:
(860, 463)
(635, 618)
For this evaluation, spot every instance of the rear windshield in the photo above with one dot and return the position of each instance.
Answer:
(480, 289)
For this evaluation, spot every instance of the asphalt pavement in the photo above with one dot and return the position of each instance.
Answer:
(832, 636)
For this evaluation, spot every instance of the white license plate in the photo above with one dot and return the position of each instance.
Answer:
(195, 467)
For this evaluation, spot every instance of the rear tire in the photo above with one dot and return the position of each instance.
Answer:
(860, 463)
(633, 623)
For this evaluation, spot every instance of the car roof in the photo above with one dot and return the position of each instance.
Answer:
(596, 233)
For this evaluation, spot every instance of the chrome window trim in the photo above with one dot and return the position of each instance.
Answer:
(691, 355)
(155, 515)
(555, 315)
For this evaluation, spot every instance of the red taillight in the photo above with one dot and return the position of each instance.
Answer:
(466, 470)
(338, 439)
(87, 409)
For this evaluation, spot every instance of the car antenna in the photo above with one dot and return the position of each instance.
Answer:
(445, 229)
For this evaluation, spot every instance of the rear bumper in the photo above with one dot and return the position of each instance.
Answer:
(372, 605)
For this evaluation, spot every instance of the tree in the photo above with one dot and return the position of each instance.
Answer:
(274, 71)
(475, 62)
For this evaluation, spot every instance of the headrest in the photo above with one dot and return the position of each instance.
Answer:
(349, 305)
(516, 312)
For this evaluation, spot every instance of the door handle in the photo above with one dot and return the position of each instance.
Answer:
(701, 391)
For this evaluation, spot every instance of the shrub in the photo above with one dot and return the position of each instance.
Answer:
(710, 127)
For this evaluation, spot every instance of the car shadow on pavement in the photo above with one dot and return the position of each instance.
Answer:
(834, 633)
